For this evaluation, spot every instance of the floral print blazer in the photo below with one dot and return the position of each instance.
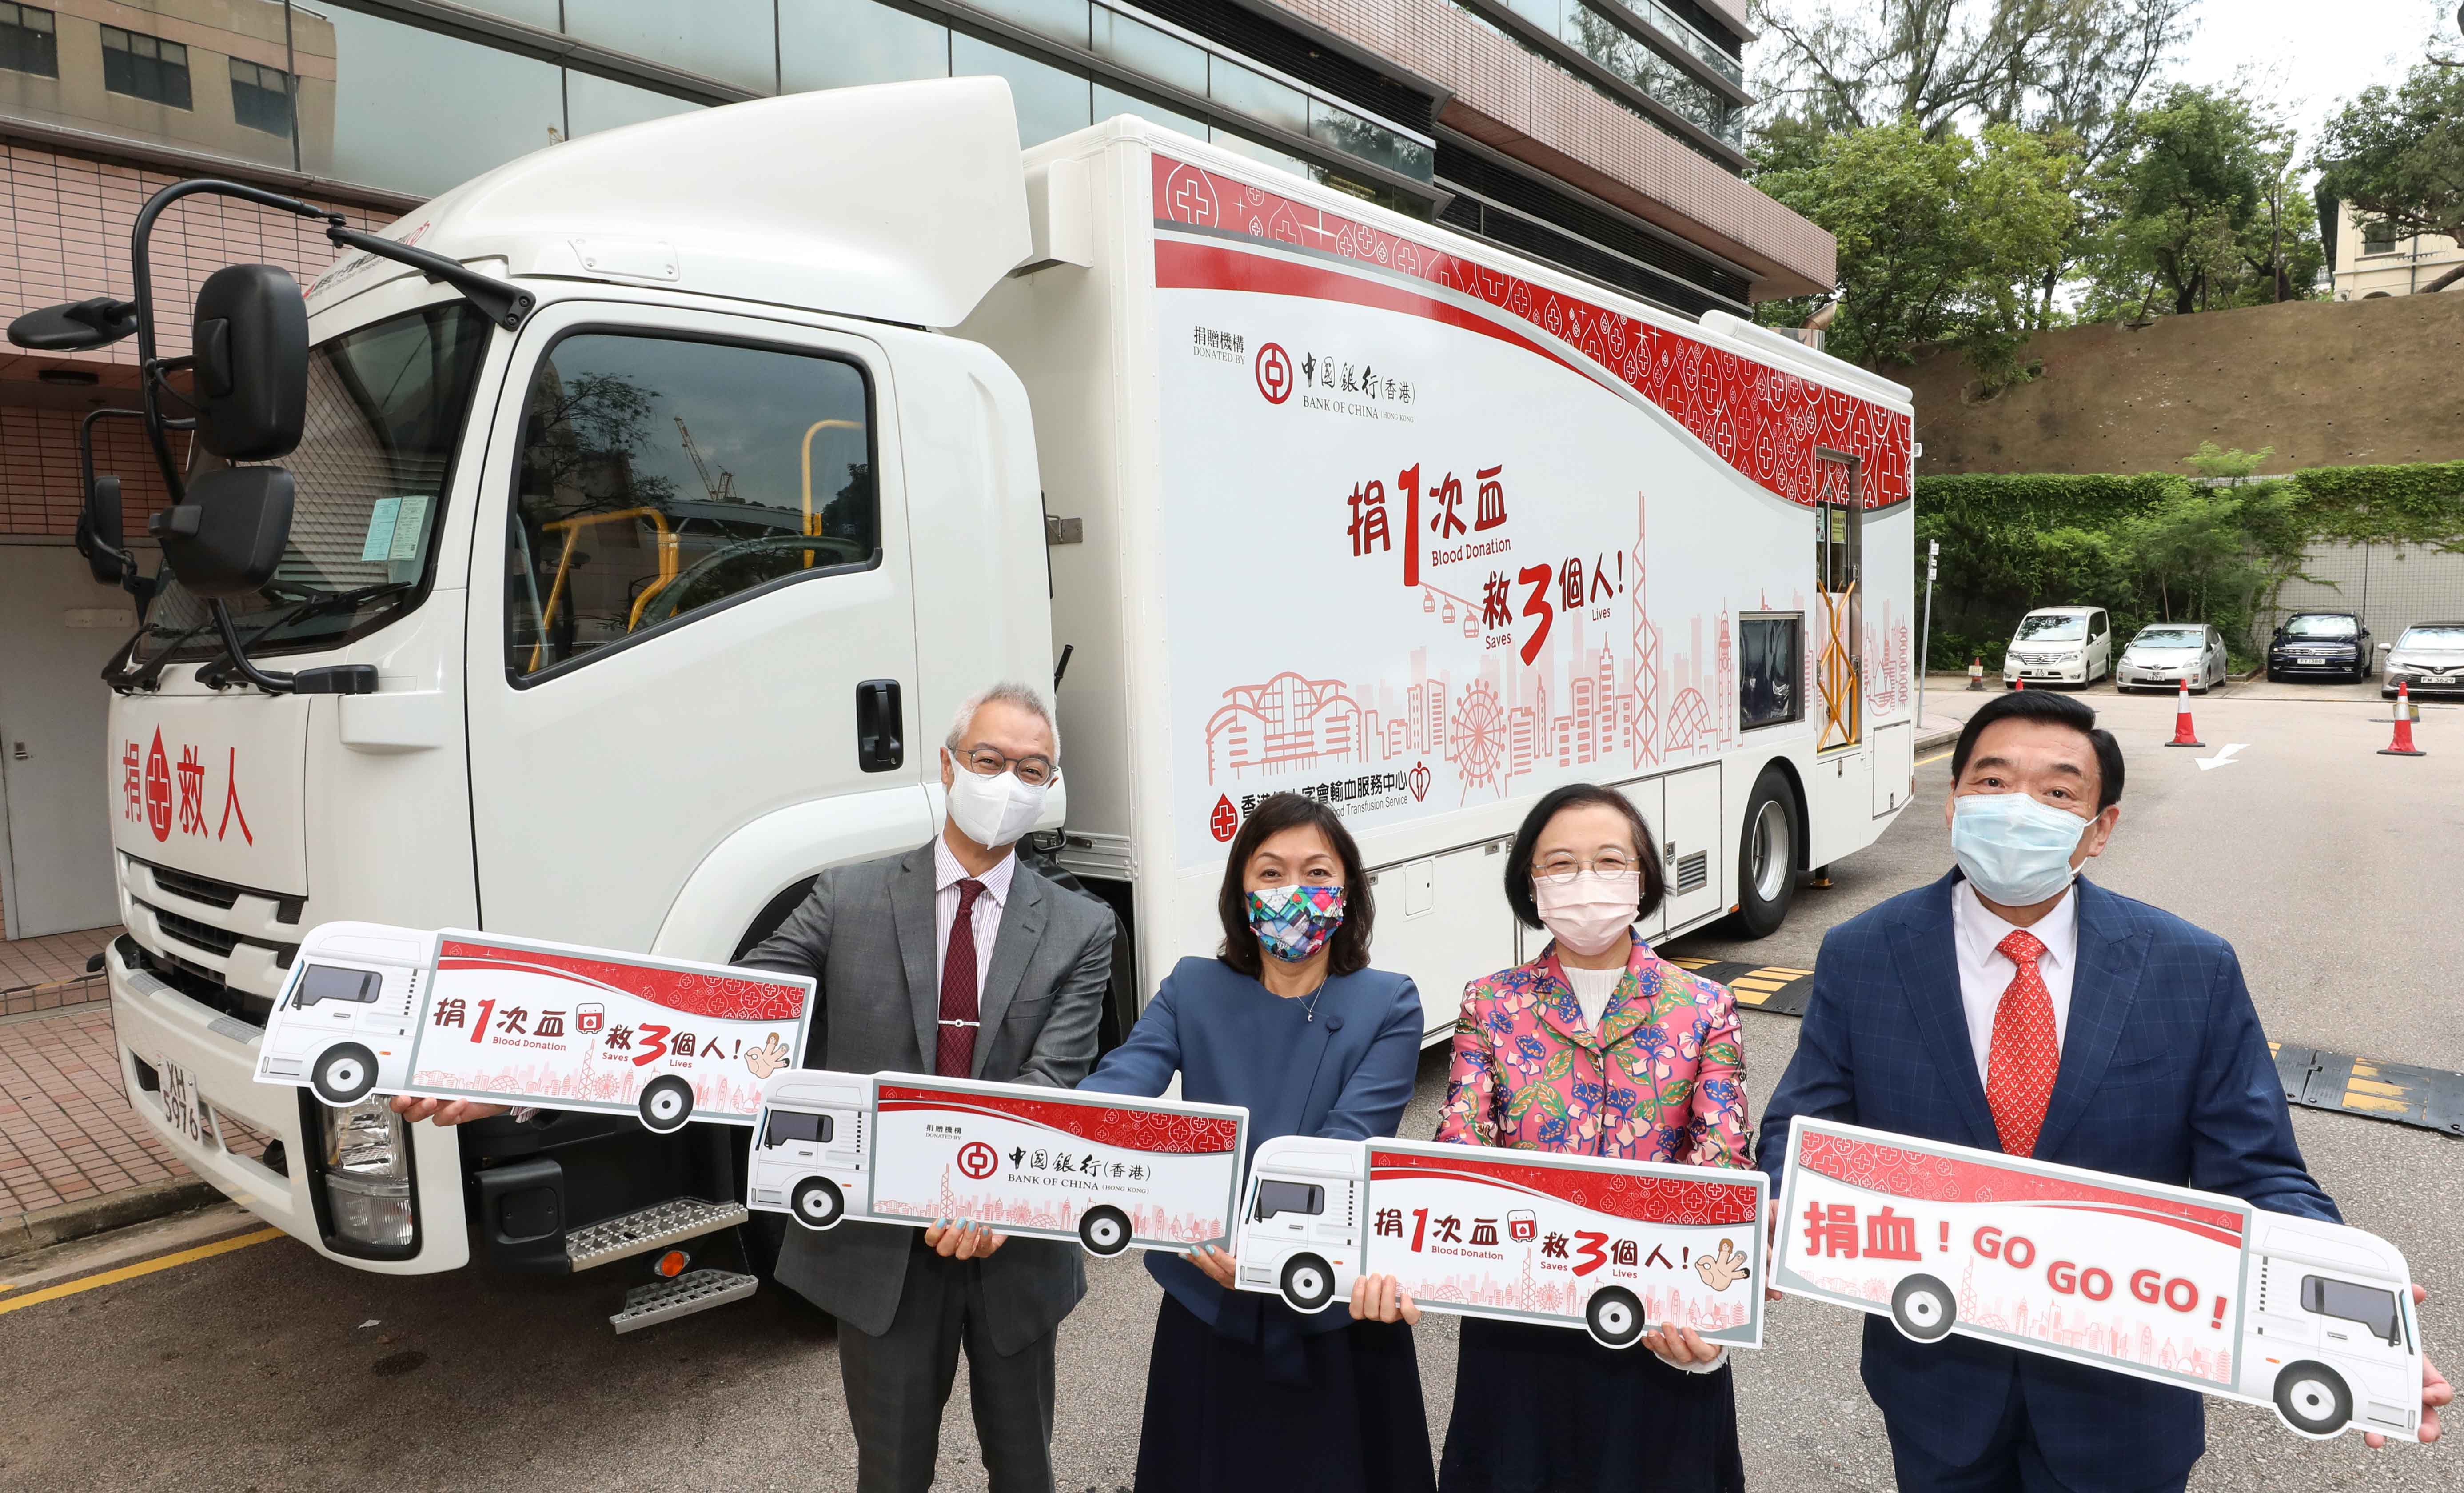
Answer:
(1664, 1079)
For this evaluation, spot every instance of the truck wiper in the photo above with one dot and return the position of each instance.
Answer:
(124, 676)
(233, 660)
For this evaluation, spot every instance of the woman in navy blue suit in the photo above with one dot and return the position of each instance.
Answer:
(1244, 1393)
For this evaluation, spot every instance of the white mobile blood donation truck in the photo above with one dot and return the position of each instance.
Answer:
(457, 1015)
(1107, 1171)
(1614, 1247)
(788, 425)
(2184, 1288)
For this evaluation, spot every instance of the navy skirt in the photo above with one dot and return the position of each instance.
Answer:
(1547, 1409)
(1221, 1419)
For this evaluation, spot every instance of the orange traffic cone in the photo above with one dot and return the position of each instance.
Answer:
(2183, 734)
(2019, 683)
(2402, 745)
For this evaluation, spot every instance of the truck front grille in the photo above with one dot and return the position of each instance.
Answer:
(198, 936)
(196, 889)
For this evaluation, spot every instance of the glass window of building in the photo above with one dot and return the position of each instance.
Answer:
(1051, 103)
(1110, 102)
(29, 41)
(662, 478)
(1149, 53)
(1065, 21)
(474, 107)
(146, 67)
(261, 97)
(594, 103)
(732, 40)
(842, 43)
(1259, 96)
(2377, 238)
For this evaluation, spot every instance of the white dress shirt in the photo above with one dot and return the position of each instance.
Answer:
(984, 917)
(1984, 971)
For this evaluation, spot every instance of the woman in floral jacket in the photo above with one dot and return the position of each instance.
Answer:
(1598, 1047)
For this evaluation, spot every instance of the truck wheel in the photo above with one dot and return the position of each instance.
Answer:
(1767, 857)
(1922, 1308)
(1614, 1317)
(1105, 1231)
(345, 1074)
(2313, 1399)
(818, 1203)
(1309, 1283)
(667, 1104)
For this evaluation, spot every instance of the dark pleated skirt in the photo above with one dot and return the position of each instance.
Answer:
(1547, 1409)
(1216, 1422)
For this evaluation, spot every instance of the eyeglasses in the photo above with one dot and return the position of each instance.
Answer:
(1564, 868)
(1033, 771)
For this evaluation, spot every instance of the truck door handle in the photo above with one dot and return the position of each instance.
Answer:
(879, 747)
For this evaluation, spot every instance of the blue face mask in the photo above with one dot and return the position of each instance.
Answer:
(2016, 850)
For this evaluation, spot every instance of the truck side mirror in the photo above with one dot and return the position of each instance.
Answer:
(250, 352)
(77, 327)
(226, 539)
(99, 534)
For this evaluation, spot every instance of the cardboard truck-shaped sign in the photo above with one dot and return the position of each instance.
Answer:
(371, 1008)
(1616, 1247)
(2165, 1282)
(1107, 1169)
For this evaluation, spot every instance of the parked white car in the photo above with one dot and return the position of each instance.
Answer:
(2429, 655)
(2059, 644)
(2165, 653)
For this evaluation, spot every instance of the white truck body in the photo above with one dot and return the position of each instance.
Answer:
(1109, 1172)
(1614, 1247)
(2184, 1288)
(1723, 629)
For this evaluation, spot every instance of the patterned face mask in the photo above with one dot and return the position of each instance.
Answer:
(1294, 922)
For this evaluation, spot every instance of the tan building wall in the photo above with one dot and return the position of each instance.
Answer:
(2326, 383)
(2394, 267)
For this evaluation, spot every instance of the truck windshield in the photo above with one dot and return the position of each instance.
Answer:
(386, 407)
(2041, 628)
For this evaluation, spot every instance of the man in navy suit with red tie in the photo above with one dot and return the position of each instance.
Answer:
(2014, 1006)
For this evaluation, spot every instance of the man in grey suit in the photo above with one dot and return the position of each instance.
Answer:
(953, 958)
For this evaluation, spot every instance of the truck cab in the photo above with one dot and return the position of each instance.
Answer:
(2331, 1338)
(1299, 1227)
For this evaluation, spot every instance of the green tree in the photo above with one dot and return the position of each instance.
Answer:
(2397, 155)
(2183, 198)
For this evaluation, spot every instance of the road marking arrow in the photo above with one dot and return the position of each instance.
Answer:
(2223, 758)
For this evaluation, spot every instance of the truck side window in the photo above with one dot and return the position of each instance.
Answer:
(662, 478)
(787, 1125)
(2367, 1305)
(1274, 1197)
(326, 983)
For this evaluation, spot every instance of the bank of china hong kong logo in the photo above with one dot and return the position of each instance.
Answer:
(1274, 373)
(978, 1160)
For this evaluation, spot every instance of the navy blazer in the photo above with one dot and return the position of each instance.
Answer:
(1346, 1075)
(2164, 1075)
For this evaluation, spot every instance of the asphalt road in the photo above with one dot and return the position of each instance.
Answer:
(2330, 868)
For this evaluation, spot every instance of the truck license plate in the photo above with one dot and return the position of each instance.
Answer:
(179, 1108)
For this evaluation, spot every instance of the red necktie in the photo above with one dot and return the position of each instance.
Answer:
(2026, 1055)
(954, 1055)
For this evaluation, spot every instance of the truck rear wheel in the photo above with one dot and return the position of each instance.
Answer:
(818, 1203)
(345, 1074)
(2313, 1399)
(1309, 1283)
(1105, 1231)
(1767, 853)
(1614, 1317)
(1922, 1308)
(667, 1104)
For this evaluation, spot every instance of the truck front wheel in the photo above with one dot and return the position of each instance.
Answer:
(1105, 1231)
(667, 1104)
(345, 1074)
(1922, 1308)
(818, 1203)
(1614, 1317)
(1309, 1283)
(2313, 1399)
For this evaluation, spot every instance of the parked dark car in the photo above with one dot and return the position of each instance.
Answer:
(2320, 645)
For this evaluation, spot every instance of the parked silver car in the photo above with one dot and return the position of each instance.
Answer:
(2428, 656)
(2165, 653)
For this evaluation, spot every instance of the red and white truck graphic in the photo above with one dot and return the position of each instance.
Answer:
(1616, 1247)
(370, 1008)
(2168, 1283)
(1108, 1170)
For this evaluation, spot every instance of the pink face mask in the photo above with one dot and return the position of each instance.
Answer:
(1588, 910)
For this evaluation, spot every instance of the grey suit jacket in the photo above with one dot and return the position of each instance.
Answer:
(867, 935)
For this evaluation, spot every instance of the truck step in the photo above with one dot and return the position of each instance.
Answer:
(646, 1229)
(664, 1301)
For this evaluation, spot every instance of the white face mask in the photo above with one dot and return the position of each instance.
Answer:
(1590, 910)
(993, 811)
(2014, 849)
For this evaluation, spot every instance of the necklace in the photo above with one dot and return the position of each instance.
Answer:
(1314, 998)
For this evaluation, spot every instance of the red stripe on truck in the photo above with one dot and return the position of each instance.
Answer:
(736, 997)
(1924, 1176)
(1765, 422)
(1133, 1129)
(1646, 1200)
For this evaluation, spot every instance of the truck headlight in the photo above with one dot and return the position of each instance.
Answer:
(368, 1173)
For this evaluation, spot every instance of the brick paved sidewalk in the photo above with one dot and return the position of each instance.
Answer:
(48, 973)
(67, 1135)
